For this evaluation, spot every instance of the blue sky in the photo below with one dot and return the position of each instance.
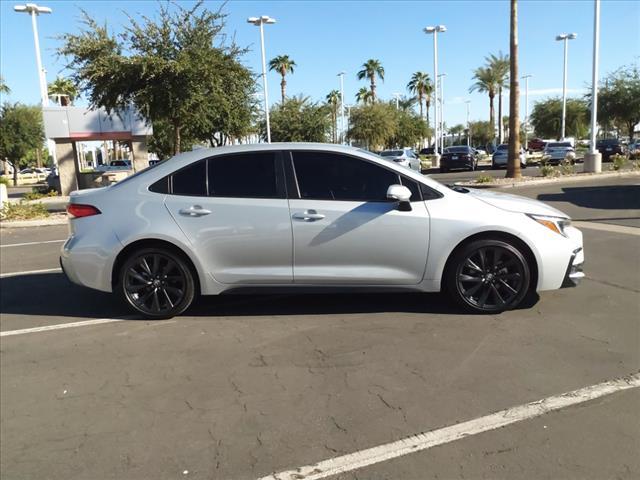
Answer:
(326, 37)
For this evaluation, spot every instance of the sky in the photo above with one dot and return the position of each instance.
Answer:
(326, 37)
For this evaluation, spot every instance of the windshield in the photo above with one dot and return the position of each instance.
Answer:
(391, 153)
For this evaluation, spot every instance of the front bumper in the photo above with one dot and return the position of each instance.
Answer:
(574, 274)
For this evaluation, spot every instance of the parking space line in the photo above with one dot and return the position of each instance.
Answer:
(25, 244)
(608, 227)
(60, 326)
(424, 441)
(30, 272)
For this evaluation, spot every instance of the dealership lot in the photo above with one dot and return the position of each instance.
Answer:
(245, 386)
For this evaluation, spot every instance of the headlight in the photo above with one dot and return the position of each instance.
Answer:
(556, 224)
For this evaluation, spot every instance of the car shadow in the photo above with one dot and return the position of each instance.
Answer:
(611, 197)
(51, 294)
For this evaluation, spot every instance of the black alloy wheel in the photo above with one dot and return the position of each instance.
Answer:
(157, 283)
(488, 276)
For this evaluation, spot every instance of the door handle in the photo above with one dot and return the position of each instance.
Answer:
(308, 216)
(194, 211)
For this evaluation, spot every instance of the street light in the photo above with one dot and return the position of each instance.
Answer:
(435, 30)
(593, 160)
(468, 102)
(259, 22)
(35, 10)
(565, 37)
(396, 95)
(441, 77)
(342, 129)
(526, 109)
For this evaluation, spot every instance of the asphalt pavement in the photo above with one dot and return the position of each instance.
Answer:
(241, 387)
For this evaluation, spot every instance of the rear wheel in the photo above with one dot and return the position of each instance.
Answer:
(156, 283)
(488, 276)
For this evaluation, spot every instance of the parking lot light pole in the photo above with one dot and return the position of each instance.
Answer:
(565, 37)
(259, 22)
(441, 98)
(342, 124)
(593, 159)
(526, 109)
(34, 10)
(468, 102)
(434, 30)
(396, 95)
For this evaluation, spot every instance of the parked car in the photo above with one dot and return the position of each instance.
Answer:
(480, 152)
(310, 216)
(557, 152)
(428, 151)
(608, 147)
(536, 145)
(404, 156)
(634, 146)
(34, 171)
(115, 165)
(458, 157)
(501, 156)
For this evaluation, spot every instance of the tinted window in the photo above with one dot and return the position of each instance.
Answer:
(391, 153)
(458, 150)
(161, 186)
(503, 147)
(191, 180)
(328, 176)
(413, 186)
(249, 175)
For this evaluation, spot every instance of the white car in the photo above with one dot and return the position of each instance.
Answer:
(304, 216)
(558, 152)
(501, 156)
(115, 165)
(403, 156)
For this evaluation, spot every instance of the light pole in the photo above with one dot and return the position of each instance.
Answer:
(441, 98)
(565, 37)
(434, 30)
(526, 109)
(259, 22)
(35, 10)
(593, 159)
(342, 125)
(348, 121)
(396, 95)
(468, 102)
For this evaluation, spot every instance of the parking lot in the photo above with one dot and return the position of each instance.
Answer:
(243, 387)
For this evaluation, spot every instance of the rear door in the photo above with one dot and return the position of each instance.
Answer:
(233, 209)
(345, 230)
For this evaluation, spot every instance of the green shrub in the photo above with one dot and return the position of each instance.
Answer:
(5, 181)
(484, 178)
(548, 171)
(36, 194)
(566, 168)
(619, 161)
(23, 211)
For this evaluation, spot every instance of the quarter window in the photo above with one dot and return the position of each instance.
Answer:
(191, 180)
(247, 175)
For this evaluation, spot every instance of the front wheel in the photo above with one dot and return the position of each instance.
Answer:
(156, 283)
(488, 276)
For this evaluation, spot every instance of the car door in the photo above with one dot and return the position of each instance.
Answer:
(346, 231)
(234, 211)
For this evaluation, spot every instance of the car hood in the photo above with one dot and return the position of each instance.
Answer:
(515, 203)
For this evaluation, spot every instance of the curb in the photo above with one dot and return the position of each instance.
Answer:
(546, 181)
(43, 222)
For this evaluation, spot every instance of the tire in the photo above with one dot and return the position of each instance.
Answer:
(165, 279)
(487, 276)
(523, 165)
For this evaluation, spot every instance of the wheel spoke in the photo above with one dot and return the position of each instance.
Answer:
(145, 266)
(509, 287)
(483, 297)
(137, 276)
(164, 290)
(497, 295)
(497, 255)
(483, 259)
(471, 264)
(155, 264)
(156, 301)
(137, 288)
(469, 278)
(472, 290)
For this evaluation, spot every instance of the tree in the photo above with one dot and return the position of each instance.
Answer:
(172, 67)
(619, 99)
(458, 130)
(4, 88)
(373, 125)
(63, 90)
(481, 133)
(283, 65)
(21, 131)
(409, 130)
(333, 101)
(298, 120)
(371, 69)
(406, 104)
(513, 162)
(420, 85)
(161, 142)
(547, 115)
(486, 82)
(364, 96)
(499, 65)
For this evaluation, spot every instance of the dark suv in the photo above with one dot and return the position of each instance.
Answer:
(608, 147)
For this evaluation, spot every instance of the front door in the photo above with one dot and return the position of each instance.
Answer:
(346, 231)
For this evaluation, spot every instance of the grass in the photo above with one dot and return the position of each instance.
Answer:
(23, 211)
(37, 195)
(484, 178)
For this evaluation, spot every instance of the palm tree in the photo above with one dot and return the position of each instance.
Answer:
(500, 66)
(63, 90)
(283, 65)
(4, 88)
(420, 85)
(485, 82)
(364, 95)
(457, 130)
(371, 69)
(513, 163)
(333, 99)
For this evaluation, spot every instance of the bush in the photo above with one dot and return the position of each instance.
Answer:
(5, 181)
(567, 168)
(484, 178)
(548, 171)
(619, 161)
(23, 211)
(37, 195)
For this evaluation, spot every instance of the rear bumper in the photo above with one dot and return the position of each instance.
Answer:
(574, 274)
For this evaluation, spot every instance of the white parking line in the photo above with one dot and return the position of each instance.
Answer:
(60, 326)
(25, 244)
(608, 227)
(424, 441)
(30, 272)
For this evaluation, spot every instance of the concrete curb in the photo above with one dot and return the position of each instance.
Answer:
(43, 222)
(546, 181)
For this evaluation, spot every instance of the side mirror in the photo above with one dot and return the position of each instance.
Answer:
(400, 193)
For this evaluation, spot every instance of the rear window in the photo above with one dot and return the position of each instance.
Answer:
(458, 150)
(391, 153)
(503, 147)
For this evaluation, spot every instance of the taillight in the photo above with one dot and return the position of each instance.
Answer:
(77, 210)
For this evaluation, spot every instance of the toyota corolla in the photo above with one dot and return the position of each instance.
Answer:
(310, 216)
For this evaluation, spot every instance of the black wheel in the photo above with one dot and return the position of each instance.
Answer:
(488, 276)
(156, 283)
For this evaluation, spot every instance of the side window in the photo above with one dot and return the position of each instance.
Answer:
(330, 176)
(161, 186)
(191, 180)
(414, 187)
(248, 175)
